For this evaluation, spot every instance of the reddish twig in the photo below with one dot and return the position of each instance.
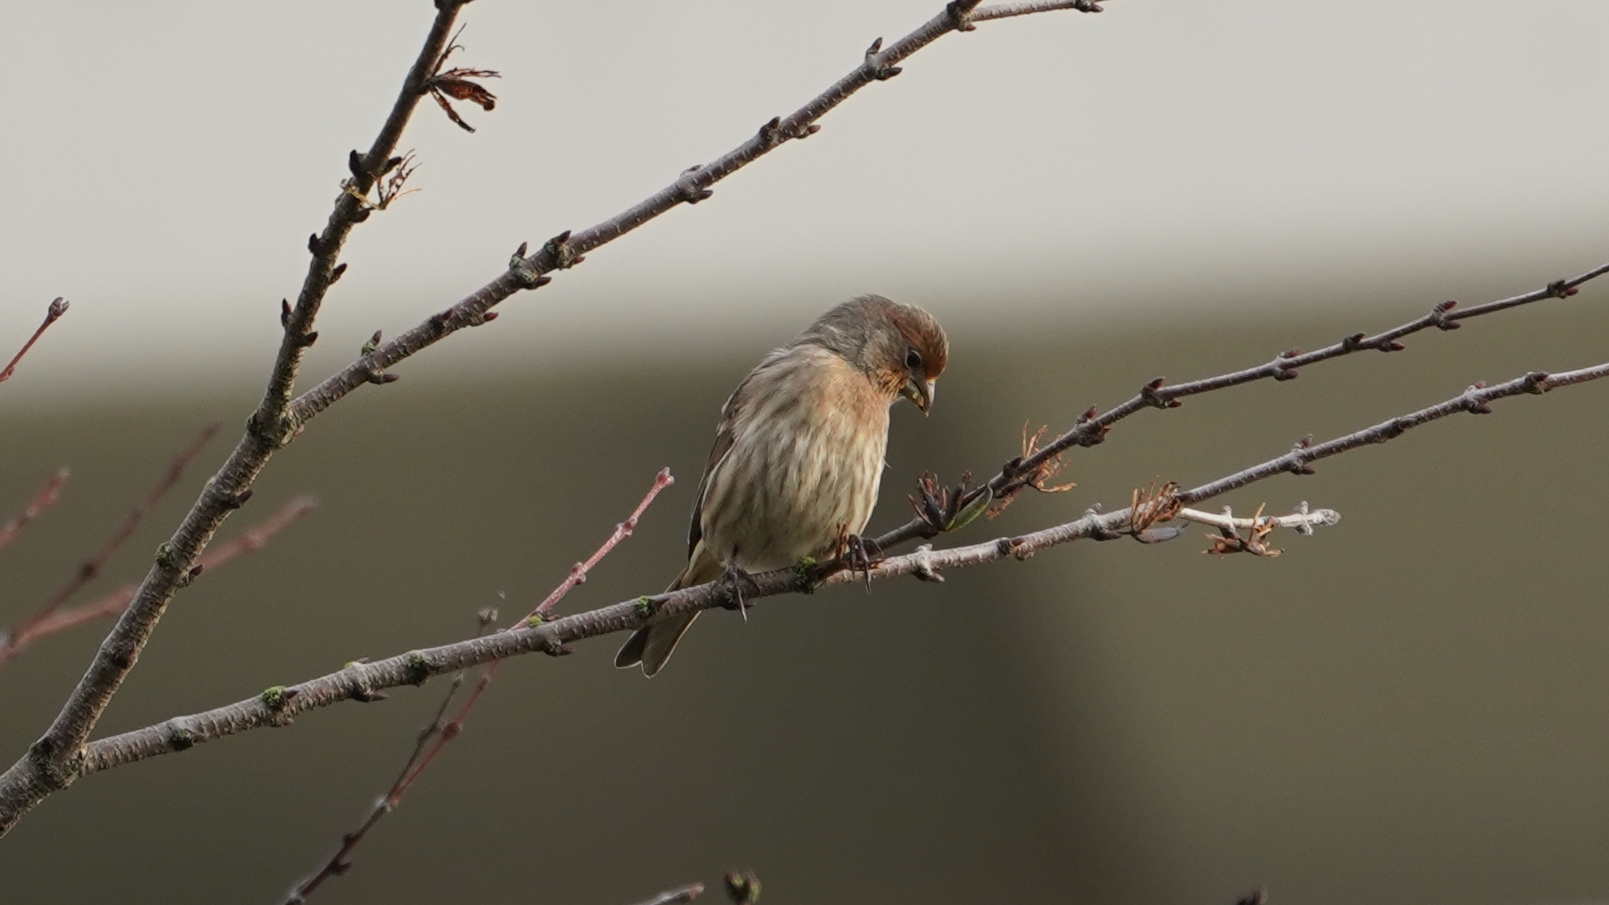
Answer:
(578, 572)
(250, 541)
(53, 313)
(445, 732)
(90, 568)
(435, 736)
(44, 499)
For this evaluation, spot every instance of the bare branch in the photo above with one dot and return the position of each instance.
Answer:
(1031, 468)
(250, 541)
(569, 248)
(1301, 520)
(677, 896)
(360, 681)
(53, 313)
(44, 499)
(1259, 526)
(1007, 10)
(1474, 400)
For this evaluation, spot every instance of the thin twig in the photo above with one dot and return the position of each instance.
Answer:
(676, 896)
(1030, 468)
(54, 760)
(280, 705)
(88, 570)
(44, 499)
(1299, 520)
(439, 733)
(1008, 10)
(53, 313)
(1228, 539)
(578, 572)
(250, 541)
(692, 186)
(450, 731)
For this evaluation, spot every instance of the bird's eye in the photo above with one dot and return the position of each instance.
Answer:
(913, 359)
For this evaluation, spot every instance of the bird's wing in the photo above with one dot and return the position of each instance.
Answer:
(733, 413)
(725, 433)
(695, 532)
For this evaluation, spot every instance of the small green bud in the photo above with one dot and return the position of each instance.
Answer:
(803, 577)
(165, 556)
(418, 668)
(182, 739)
(743, 888)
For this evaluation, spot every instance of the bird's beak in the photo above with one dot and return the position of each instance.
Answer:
(920, 392)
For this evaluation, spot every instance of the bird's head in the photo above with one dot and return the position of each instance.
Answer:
(901, 348)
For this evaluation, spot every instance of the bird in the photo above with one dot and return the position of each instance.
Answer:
(798, 452)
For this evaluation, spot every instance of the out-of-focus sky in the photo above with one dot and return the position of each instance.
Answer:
(164, 163)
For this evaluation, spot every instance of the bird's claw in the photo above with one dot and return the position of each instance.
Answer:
(734, 578)
(859, 554)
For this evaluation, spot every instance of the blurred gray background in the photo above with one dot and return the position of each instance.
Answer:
(1405, 708)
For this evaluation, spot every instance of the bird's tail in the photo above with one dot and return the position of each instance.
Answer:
(653, 644)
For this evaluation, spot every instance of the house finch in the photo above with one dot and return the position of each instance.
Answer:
(799, 451)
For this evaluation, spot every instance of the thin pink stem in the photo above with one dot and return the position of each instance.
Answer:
(113, 603)
(44, 499)
(578, 572)
(52, 314)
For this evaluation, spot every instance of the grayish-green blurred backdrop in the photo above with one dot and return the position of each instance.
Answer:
(1409, 707)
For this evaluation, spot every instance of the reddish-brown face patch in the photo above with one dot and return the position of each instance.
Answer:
(925, 336)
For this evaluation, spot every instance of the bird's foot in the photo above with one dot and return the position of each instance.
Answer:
(858, 554)
(734, 578)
